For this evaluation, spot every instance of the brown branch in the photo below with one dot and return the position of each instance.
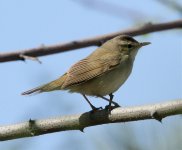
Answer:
(81, 121)
(48, 50)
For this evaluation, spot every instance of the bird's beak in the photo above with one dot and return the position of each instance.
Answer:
(144, 43)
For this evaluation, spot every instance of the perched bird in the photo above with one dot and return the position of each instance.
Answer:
(101, 73)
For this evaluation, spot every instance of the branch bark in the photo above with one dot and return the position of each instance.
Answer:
(81, 121)
(48, 50)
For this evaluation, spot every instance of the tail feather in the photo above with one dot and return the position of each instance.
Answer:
(33, 91)
(51, 86)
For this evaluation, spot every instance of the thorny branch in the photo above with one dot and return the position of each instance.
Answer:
(81, 121)
(95, 41)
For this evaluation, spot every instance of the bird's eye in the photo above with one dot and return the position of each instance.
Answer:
(130, 46)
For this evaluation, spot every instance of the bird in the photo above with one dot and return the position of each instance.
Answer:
(101, 73)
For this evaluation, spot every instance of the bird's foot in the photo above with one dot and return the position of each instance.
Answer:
(95, 109)
(110, 107)
(116, 105)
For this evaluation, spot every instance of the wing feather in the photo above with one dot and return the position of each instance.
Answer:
(89, 68)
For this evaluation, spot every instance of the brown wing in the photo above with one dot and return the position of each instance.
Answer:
(88, 68)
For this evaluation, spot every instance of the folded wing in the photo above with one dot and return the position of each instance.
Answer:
(90, 68)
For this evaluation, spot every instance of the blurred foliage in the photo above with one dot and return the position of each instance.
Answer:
(125, 137)
(110, 8)
(172, 4)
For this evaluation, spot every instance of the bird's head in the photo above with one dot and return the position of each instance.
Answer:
(128, 45)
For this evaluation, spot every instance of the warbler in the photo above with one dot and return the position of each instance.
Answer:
(101, 73)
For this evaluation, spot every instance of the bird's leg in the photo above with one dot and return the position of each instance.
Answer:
(92, 106)
(111, 98)
(109, 107)
(104, 98)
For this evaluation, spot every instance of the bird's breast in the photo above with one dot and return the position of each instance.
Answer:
(105, 84)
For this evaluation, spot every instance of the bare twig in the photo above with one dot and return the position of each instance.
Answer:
(48, 50)
(24, 57)
(81, 121)
(114, 9)
(175, 5)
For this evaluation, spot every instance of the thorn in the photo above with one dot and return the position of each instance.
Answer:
(156, 116)
(148, 24)
(31, 123)
(25, 57)
(82, 130)
(75, 42)
(22, 59)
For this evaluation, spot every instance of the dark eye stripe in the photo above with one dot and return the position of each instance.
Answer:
(127, 45)
(130, 45)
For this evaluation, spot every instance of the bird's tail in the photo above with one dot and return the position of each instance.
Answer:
(51, 86)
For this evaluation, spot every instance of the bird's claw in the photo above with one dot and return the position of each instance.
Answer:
(95, 109)
(109, 107)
